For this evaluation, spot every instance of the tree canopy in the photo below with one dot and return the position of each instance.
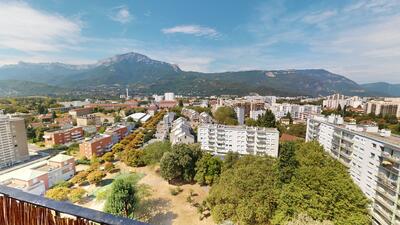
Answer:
(226, 115)
(180, 162)
(122, 200)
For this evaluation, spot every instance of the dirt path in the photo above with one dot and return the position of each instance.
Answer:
(163, 208)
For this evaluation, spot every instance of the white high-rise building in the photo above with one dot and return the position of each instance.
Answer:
(240, 115)
(169, 96)
(221, 139)
(13, 141)
(372, 157)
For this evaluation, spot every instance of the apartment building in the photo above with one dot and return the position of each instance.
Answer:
(389, 106)
(192, 114)
(240, 114)
(117, 133)
(169, 96)
(205, 118)
(65, 136)
(336, 100)
(297, 112)
(75, 113)
(13, 141)
(96, 146)
(372, 157)
(39, 177)
(88, 120)
(221, 139)
(181, 132)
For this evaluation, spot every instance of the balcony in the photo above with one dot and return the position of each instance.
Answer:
(21, 208)
(391, 157)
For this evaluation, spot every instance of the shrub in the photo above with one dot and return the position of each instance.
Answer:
(76, 194)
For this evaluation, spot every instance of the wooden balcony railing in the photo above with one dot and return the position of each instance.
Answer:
(21, 208)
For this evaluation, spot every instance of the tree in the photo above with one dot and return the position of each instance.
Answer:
(58, 194)
(250, 122)
(130, 120)
(267, 119)
(122, 200)
(289, 116)
(180, 163)
(226, 115)
(75, 195)
(321, 188)
(53, 115)
(208, 169)
(95, 177)
(108, 157)
(109, 166)
(230, 159)
(79, 178)
(117, 118)
(246, 194)
(133, 157)
(118, 148)
(154, 152)
(287, 162)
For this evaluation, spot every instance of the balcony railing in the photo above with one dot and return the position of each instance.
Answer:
(21, 208)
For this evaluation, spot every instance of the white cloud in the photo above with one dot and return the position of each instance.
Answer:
(121, 14)
(26, 29)
(316, 18)
(192, 29)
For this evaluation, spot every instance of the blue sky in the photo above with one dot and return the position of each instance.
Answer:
(359, 39)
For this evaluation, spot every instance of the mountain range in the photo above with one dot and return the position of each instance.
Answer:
(145, 75)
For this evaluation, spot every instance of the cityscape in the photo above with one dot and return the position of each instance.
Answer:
(173, 124)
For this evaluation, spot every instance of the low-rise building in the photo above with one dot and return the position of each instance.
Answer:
(181, 132)
(192, 114)
(95, 146)
(165, 104)
(205, 118)
(221, 139)
(61, 137)
(88, 120)
(80, 112)
(39, 177)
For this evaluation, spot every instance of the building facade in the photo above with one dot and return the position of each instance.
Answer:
(96, 146)
(221, 139)
(181, 132)
(372, 157)
(61, 137)
(13, 141)
(387, 107)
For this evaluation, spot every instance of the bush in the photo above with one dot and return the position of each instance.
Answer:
(63, 183)
(76, 194)
(58, 194)
(133, 157)
(95, 177)
(108, 157)
(79, 178)
(109, 166)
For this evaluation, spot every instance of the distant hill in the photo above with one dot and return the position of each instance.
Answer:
(145, 75)
(27, 88)
(384, 88)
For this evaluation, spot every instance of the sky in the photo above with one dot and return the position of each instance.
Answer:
(359, 39)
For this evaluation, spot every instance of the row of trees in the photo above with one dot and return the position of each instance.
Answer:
(303, 184)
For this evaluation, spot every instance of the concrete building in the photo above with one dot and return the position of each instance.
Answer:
(117, 133)
(192, 114)
(333, 101)
(221, 139)
(158, 98)
(205, 118)
(88, 120)
(13, 141)
(372, 157)
(240, 114)
(388, 106)
(80, 112)
(254, 114)
(297, 112)
(181, 132)
(169, 96)
(167, 104)
(61, 137)
(39, 177)
(96, 146)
